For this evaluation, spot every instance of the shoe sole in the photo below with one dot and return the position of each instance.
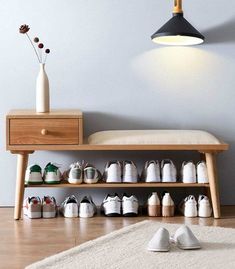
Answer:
(90, 181)
(74, 181)
(113, 215)
(48, 215)
(131, 214)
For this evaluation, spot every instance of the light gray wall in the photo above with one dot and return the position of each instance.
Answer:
(104, 63)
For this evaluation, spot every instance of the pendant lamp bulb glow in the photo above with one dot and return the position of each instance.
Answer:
(178, 31)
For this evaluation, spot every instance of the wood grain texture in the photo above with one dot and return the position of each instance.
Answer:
(28, 241)
(44, 131)
(22, 162)
(213, 181)
(121, 185)
(88, 147)
(54, 113)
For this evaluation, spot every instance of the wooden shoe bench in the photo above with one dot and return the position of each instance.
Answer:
(62, 130)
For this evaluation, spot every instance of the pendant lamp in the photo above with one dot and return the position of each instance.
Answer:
(178, 31)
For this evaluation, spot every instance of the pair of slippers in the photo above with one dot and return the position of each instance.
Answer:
(183, 238)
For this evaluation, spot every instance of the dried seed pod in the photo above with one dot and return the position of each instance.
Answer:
(40, 45)
(36, 39)
(24, 29)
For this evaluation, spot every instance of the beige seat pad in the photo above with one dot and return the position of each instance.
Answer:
(155, 137)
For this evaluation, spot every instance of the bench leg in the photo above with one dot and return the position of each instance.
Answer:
(22, 161)
(213, 181)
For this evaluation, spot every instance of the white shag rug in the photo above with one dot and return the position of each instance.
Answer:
(126, 248)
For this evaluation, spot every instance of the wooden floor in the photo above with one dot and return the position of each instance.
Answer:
(26, 241)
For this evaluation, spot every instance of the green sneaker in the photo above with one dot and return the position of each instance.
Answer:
(52, 174)
(33, 175)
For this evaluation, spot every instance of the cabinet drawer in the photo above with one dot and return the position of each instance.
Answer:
(36, 131)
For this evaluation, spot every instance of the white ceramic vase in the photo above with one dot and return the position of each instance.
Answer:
(42, 91)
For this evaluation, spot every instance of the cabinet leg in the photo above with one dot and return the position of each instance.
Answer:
(213, 181)
(22, 161)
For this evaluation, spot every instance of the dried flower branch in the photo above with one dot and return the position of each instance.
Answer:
(24, 29)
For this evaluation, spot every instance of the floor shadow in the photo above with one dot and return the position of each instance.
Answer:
(223, 33)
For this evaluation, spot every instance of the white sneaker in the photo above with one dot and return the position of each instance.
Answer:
(91, 174)
(154, 205)
(188, 172)
(202, 175)
(69, 208)
(52, 174)
(49, 207)
(130, 174)
(190, 207)
(204, 207)
(151, 172)
(74, 174)
(111, 205)
(113, 172)
(130, 205)
(87, 208)
(32, 207)
(33, 174)
(168, 170)
(168, 206)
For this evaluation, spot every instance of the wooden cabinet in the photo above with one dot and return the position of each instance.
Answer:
(44, 129)
(28, 131)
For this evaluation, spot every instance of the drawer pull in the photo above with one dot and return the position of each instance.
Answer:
(44, 131)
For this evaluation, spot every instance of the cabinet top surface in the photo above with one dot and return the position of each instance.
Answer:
(54, 113)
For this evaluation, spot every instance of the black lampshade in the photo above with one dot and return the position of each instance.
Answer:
(178, 31)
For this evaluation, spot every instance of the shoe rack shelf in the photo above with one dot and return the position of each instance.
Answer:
(120, 185)
(28, 131)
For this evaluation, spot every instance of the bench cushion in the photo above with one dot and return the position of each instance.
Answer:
(154, 137)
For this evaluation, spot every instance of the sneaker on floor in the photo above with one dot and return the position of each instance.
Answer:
(130, 174)
(69, 208)
(204, 207)
(190, 207)
(32, 207)
(113, 172)
(168, 206)
(111, 205)
(151, 172)
(188, 172)
(91, 174)
(154, 206)
(74, 174)
(87, 208)
(202, 175)
(52, 174)
(49, 207)
(33, 174)
(130, 205)
(168, 171)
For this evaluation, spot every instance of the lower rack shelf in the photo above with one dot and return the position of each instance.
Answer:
(119, 185)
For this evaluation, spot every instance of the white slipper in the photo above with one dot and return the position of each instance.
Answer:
(185, 239)
(160, 241)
